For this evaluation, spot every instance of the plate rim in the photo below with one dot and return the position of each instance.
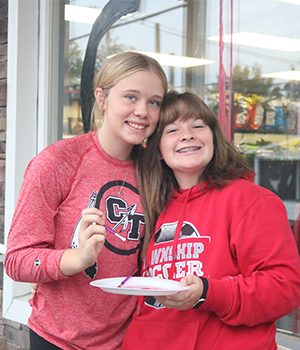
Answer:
(140, 291)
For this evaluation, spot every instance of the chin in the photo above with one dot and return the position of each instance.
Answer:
(136, 141)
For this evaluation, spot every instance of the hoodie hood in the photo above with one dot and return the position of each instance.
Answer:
(191, 193)
(200, 189)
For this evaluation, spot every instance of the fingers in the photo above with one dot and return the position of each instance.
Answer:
(179, 301)
(90, 230)
(92, 216)
(92, 223)
(185, 299)
(90, 245)
(33, 288)
(91, 238)
(91, 235)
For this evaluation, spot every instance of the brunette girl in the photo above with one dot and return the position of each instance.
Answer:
(226, 238)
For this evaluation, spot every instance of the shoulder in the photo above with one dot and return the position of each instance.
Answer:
(67, 150)
(245, 191)
(62, 158)
(244, 185)
(74, 145)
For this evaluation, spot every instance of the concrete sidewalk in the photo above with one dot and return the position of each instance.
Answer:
(287, 341)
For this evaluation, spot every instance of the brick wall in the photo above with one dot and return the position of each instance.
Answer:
(13, 336)
(3, 75)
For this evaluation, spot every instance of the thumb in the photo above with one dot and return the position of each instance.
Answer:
(188, 280)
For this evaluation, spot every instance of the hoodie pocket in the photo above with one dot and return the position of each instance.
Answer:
(169, 335)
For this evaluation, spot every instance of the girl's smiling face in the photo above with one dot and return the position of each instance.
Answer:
(131, 110)
(187, 147)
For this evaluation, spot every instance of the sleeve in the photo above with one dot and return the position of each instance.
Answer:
(31, 238)
(268, 286)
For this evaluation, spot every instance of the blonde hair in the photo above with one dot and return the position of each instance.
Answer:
(118, 67)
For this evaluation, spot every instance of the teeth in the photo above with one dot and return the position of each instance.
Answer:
(188, 149)
(136, 126)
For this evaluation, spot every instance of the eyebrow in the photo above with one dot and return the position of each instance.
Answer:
(158, 96)
(132, 90)
(138, 92)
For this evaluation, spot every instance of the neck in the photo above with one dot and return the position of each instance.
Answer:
(115, 148)
(187, 181)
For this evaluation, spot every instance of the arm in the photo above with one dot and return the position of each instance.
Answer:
(30, 256)
(268, 285)
(32, 253)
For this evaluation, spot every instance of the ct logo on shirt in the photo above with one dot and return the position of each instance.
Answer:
(119, 213)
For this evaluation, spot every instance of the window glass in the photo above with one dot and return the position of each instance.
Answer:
(262, 95)
(157, 27)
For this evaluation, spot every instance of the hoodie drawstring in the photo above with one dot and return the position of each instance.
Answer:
(171, 274)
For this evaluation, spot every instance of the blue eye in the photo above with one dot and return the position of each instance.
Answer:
(155, 103)
(130, 97)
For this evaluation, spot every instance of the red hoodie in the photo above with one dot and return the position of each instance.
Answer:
(239, 238)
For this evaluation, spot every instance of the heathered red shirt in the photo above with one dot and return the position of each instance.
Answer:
(63, 179)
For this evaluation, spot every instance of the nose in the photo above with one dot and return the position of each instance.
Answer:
(141, 109)
(187, 135)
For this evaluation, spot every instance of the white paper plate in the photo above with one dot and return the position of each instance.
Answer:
(140, 286)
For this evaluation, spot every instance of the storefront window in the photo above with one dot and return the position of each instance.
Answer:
(264, 87)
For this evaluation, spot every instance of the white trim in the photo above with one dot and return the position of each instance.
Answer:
(21, 96)
(15, 300)
(48, 79)
(44, 75)
(28, 116)
(2, 248)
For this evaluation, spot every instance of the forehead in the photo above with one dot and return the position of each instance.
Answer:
(140, 75)
(182, 119)
(180, 111)
(147, 81)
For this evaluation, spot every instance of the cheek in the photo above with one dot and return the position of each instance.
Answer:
(104, 105)
(153, 123)
(211, 148)
(155, 117)
(211, 154)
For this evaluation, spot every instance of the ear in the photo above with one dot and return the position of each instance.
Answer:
(99, 95)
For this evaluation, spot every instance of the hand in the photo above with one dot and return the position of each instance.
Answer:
(92, 235)
(186, 299)
(33, 288)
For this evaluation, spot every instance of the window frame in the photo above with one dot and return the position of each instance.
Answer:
(34, 48)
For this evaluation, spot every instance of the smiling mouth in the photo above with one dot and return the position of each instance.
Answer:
(188, 149)
(136, 126)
